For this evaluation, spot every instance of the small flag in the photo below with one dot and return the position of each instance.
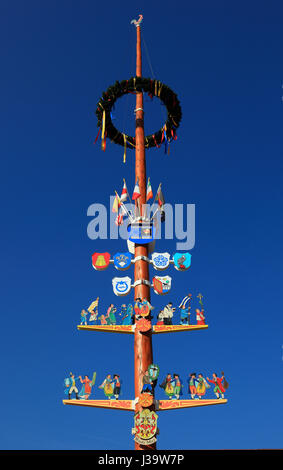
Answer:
(124, 194)
(116, 204)
(136, 193)
(160, 198)
(119, 219)
(149, 193)
(93, 305)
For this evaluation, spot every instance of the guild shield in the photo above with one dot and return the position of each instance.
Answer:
(121, 285)
(161, 284)
(160, 261)
(145, 426)
(182, 261)
(100, 261)
(122, 261)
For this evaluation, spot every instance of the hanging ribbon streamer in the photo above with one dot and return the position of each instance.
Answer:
(125, 148)
(103, 143)
(103, 135)
(174, 134)
(165, 137)
(97, 135)
(153, 136)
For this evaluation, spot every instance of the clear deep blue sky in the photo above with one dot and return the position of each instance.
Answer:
(224, 60)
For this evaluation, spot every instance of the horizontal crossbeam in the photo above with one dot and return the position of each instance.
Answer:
(131, 328)
(129, 405)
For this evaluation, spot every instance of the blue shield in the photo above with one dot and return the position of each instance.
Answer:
(122, 261)
(182, 261)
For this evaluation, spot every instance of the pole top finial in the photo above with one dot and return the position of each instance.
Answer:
(137, 22)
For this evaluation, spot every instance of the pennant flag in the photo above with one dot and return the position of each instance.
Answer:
(116, 204)
(124, 194)
(136, 193)
(160, 198)
(93, 305)
(119, 220)
(149, 193)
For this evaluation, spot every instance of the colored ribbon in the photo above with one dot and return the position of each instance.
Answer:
(103, 134)
(97, 135)
(125, 148)
(166, 140)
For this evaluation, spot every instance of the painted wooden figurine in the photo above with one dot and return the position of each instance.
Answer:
(117, 386)
(102, 319)
(200, 312)
(193, 385)
(83, 317)
(218, 385)
(160, 318)
(87, 386)
(201, 386)
(123, 312)
(185, 308)
(71, 384)
(147, 383)
(177, 386)
(200, 317)
(110, 315)
(127, 314)
(168, 313)
(137, 308)
(107, 386)
(168, 386)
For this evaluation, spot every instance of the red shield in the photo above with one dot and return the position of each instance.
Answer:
(100, 261)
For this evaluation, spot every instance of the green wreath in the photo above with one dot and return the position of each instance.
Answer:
(166, 134)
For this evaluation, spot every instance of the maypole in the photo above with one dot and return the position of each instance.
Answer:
(143, 355)
(137, 319)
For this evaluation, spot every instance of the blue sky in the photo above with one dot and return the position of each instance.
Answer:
(224, 62)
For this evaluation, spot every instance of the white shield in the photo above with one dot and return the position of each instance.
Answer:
(121, 285)
(160, 261)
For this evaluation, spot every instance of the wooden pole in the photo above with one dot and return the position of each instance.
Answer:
(143, 342)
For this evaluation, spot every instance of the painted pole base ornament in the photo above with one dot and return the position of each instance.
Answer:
(143, 325)
(146, 399)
